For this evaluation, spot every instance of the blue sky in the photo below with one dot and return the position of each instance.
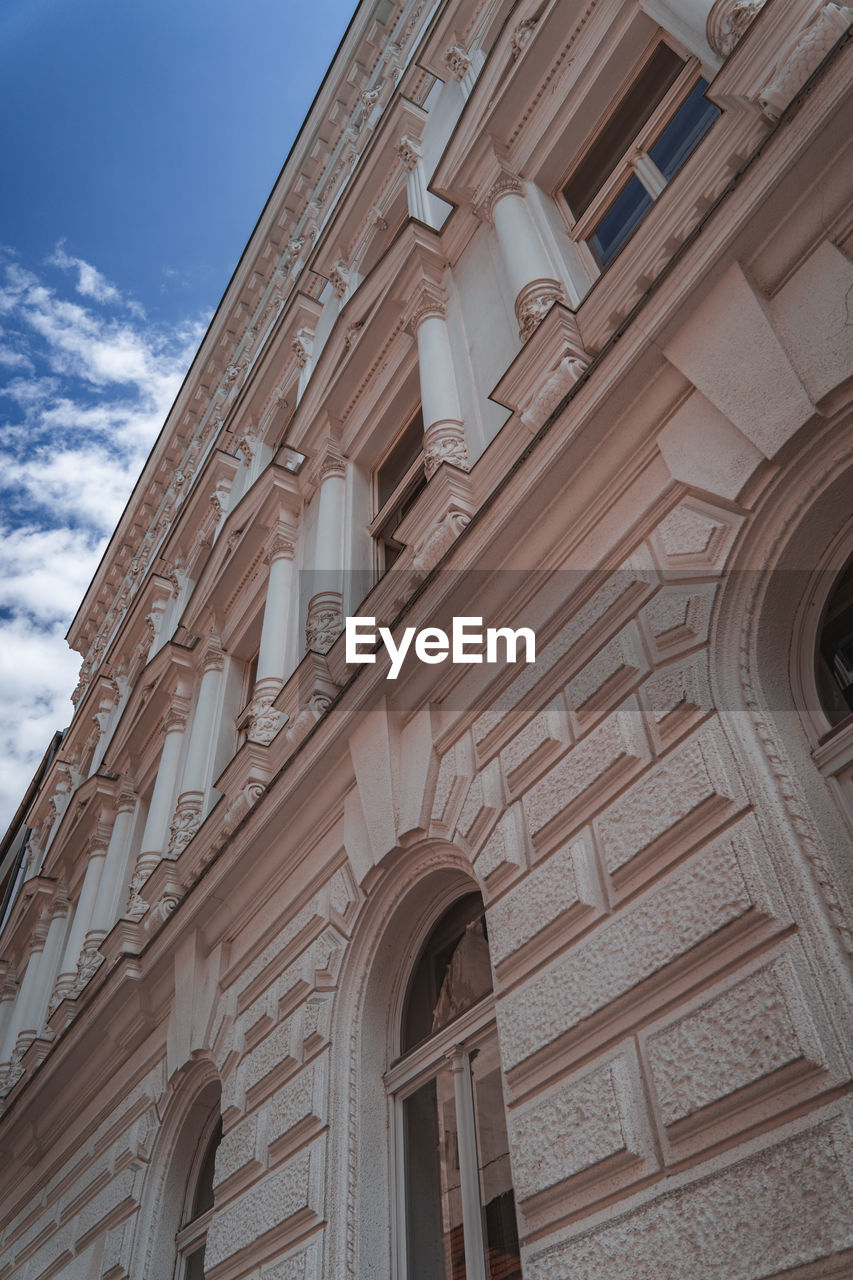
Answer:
(140, 142)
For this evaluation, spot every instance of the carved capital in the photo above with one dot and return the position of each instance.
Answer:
(824, 31)
(439, 540)
(185, 824)
(89, 963)
(533, 303)
(264, 720)
(213, 655)
(332, 463)
(429, 301)
(409, 151)
(325, 621)
(505, 184)
(444, 442)
(339, 279)
(728, 21)
(279, 547)
(457, 62)
(176, 715)
(522, 36)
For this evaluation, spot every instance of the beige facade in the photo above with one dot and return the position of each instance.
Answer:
(497, 969)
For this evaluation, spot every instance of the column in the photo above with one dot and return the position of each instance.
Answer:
(67, 979)
(156, 833)
(531, 275)
(274, 656)
(190, 807)
(444, 428)
(34, 992)
(105, 910)
(325, 608)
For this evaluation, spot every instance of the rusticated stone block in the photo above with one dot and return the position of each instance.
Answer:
(538, 743)
(675, 696)
(621, 589)
(696, 783)
(274, 1056)
(504, 853)
(251, 981)
(583, 1122)
(781, 1208)
(304, 1265)
(679, 617)
(117, 1199)
(553, 891)
(481, 806)
(237, 1149)
(754, 1028)
(454, 774)
(719, 885)
(299, 1102)
(608, 675)
(612, 750)
(285, 1199)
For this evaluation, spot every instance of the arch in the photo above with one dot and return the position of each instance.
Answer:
(190, 1115)
(765, 631)
(414, 887)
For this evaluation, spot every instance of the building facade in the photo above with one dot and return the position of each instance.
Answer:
(495, 969)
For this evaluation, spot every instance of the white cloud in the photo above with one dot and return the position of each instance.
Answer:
(90, 282)
(84, 395)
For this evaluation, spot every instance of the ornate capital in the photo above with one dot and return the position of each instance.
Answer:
(185, 824)
(444, 442)
(176, 714)
(533, 303)
(332, 463)
(325, 621)
(728, 21)
(457, 62)
(409, 151)
(99, 840)
(264, 720)
(823, 32)
(430, 300)
(213, 655)
(339, 279)
(522, 36)
(279, 547)
(505, 184)
(439, 540)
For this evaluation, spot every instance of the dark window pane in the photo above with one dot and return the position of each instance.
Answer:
(835, 651)
(203, 1199)
(452, 973)
(405, 452)
(684, 132)
(194, 1269)
(624, 215)
(621, 127)
(435, 1246)
(500, 1232)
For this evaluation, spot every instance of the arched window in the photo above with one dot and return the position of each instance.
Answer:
(834, 657)
(198, 1205)
(456, 1218)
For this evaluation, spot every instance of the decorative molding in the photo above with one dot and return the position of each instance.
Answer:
(533, 304)
(429, 301)
(728, 22)
(570, 368)
(439, 541)
(408, 149)
(213, 655)
(264, 720)
(176, 713)
(444, 442)
(521, 37)
(325, 621)
(825, 30)
(457, 62)
(185, 823)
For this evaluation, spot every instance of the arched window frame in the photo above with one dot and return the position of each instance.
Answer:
(192, 1232)
(456, 1045)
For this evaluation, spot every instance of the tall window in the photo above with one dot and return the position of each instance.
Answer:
(397, 481)
(637, 150)
(834, 658)
(198, 1206)
(457, 1219)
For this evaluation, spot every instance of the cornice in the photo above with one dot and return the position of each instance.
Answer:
(288, 226)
